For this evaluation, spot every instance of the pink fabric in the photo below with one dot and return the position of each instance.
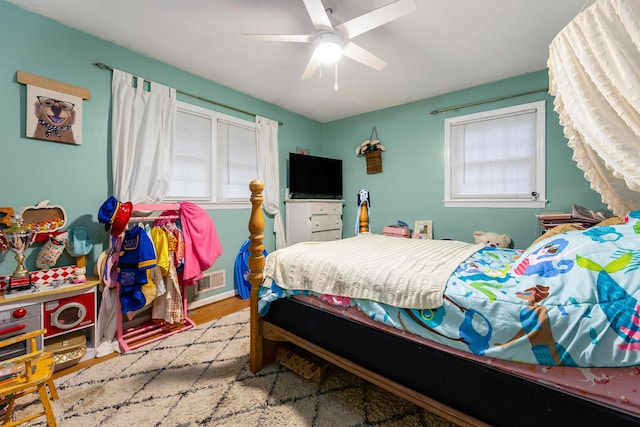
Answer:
(202, 246)
(110, 273)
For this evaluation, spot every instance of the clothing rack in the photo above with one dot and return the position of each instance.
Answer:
(150, 331)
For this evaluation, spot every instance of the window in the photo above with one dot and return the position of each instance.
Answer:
(215, 158)
(496, 158)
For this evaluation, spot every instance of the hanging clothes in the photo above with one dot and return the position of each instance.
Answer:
(161, 243)
(201, 244)
(142, 276)
(168, 241)
(137, 255)
(241, 270)
(106, 333)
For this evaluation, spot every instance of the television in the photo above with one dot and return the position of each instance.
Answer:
(312, 177)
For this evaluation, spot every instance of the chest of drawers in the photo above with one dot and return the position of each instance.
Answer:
(313, 220)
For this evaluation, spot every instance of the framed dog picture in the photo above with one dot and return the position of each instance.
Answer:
(423, 230)
(53, 116)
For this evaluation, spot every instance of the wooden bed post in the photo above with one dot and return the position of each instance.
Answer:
(256, 265)
(364, 218)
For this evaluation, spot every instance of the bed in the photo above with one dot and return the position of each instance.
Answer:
(562, 352)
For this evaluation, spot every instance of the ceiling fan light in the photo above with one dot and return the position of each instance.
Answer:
(328, 48)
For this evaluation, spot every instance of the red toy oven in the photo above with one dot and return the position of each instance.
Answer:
(69, 313)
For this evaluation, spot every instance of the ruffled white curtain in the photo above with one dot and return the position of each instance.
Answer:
(269, 174)
(142, 138)
(594, 74)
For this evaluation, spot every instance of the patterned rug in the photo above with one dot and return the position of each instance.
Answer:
(201, 377)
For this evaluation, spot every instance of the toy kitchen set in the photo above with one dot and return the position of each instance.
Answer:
(59, 299)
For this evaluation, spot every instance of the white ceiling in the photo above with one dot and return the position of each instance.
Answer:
(445, 45)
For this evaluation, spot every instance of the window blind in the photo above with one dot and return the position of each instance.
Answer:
(237, 160)
(193, 157)
(494, 158)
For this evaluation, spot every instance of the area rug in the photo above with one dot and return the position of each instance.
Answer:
(201, 377)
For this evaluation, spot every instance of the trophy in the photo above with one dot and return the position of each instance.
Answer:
(19, 237)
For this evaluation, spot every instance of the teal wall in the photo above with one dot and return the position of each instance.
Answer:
(410, 187)
(78, 178)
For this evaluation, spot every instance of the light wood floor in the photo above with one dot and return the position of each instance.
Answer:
(199, 316)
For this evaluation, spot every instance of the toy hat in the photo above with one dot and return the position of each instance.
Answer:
(99, 267)
(79, 243)
(123, 214)
(115, 215)
(107, 212)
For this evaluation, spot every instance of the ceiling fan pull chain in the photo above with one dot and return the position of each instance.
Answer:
(335, 85)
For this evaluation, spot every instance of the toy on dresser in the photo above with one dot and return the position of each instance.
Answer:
(43, 223)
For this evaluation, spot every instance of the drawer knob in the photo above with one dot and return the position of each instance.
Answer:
(20, 313)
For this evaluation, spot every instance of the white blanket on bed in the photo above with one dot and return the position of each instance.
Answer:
(408, 273)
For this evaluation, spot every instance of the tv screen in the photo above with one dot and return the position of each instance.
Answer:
(314, 177)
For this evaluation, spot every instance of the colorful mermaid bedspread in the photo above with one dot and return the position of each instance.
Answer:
(571, 299)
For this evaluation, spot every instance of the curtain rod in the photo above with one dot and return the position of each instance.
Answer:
(473, 104)
(107, 67)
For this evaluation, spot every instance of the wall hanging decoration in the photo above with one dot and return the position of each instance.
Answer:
(372, 150)
(53, 109)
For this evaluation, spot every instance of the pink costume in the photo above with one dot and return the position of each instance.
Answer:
(202, 246)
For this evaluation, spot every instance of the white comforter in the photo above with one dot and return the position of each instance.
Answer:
(408, 273)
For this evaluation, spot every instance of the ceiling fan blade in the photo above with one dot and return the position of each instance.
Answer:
(296, 38)
(312, 66)
(363, 56)
(376, 18)
(317, 13)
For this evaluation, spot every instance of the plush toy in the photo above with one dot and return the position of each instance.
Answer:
(565, 228)
(492, 239)
(562, 228)
(79, 275)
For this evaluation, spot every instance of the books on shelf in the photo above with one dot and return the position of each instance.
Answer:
(579, 215)
(554, 216)
(582, 213)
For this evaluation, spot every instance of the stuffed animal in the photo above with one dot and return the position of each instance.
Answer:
(79, 275)
(492, 239)
(562, 228)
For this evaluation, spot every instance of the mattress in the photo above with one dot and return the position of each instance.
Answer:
(570, 300)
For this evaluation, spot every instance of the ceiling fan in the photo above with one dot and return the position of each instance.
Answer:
(333, 42)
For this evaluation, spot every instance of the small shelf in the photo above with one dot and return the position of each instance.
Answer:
(47, 290)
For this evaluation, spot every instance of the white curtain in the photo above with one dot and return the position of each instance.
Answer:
(594, 74)
(142, 142)
(269, 174)
(142, 138)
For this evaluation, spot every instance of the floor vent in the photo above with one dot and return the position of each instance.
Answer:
(210, 281)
